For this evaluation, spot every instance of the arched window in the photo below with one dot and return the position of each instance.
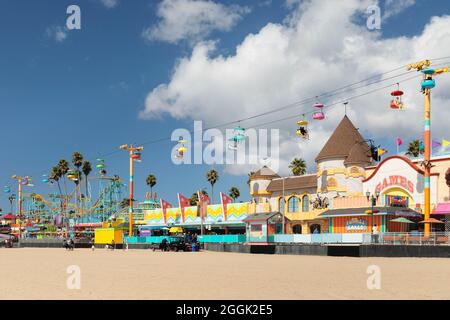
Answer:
(281, 202)
(305, 203)
(297, 229)
(293, 204)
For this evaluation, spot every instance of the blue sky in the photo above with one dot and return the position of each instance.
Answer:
(84, 93)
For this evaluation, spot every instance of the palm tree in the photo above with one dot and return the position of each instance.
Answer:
(234, 193)
(63, 167)
(298, 167)
(212, 177)
(77, 161)
(194, 198)
(86, 169)
(55, 176)
(151, 182)
(414, 149)
(11, 199)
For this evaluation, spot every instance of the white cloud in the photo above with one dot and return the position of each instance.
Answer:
(192, 20)
(110, 3)
(57, 33)
(394, 7)
(304, 57)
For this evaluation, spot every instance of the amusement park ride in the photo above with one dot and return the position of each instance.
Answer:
(396, 102)
(182, 149)
(79, 207)
(237, 138)
(72, 209)
(135, 155)
(427, 84)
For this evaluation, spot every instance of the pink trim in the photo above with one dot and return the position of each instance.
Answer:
(411, 164)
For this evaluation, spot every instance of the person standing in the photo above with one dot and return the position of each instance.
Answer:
(375, 233)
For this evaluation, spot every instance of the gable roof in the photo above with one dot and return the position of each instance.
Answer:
(264, 173)
(293, 183)
(345, 142)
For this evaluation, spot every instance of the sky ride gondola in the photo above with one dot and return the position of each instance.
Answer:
(136, 156)
(302, 130)
(6, 189)
(397, 103)
(182, 149)
(318, 114)
(238, 138)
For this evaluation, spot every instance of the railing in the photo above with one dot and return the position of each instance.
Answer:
(434, 238)
(229, 238)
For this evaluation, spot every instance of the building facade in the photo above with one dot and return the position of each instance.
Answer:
(334, 199)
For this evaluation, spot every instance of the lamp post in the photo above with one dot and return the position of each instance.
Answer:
(20, 181)
(134, 156)
(373, 202)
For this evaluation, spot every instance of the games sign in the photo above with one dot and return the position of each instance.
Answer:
(395, 181)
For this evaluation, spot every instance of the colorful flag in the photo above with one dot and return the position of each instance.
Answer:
(435, 144)
(203, 198)
(399, 142)
(381, 152)
(164, 206)
(445, 143)
(225, 201)
(183, 202)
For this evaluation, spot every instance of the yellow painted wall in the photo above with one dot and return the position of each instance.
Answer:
(107, 235)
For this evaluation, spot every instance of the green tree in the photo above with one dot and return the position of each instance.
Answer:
(234, 193)
(413, 149)
(77, 161)
(298, 167)
(55, 176)
(212, 177)
(151, 182)
(194, 198)
(63, 167)
(86, 169)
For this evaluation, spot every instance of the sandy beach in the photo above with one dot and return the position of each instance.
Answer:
(143, 274)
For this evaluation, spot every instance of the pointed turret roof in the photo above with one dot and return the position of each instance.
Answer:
(347, 143)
